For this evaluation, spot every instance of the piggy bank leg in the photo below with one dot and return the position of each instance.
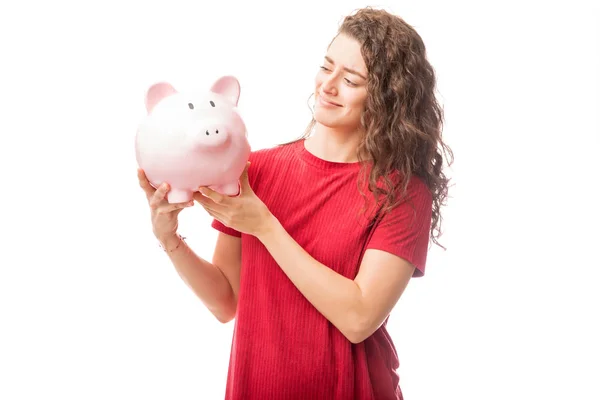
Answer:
(229, 189)
(179, 196)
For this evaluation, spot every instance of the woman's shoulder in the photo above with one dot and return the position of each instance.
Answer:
(268, 155)
(265, 163)
(403, 184)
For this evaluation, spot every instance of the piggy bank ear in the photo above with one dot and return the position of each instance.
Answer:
(156, 93)
(229, 87)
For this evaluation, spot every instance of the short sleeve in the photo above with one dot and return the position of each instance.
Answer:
(225, 229)
(404, 231)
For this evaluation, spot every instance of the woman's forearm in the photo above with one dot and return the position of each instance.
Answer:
(338, 298)
(204, 278)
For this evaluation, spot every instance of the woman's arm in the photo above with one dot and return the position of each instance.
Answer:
(356, 307)
(216, 284)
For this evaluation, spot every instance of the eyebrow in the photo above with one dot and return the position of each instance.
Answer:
(352, 71)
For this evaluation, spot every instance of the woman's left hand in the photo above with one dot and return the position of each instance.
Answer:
(245, 213)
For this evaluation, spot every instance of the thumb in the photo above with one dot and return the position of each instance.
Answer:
(244, 183)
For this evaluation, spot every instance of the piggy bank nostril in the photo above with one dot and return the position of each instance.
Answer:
(207, 133)
(217, 131)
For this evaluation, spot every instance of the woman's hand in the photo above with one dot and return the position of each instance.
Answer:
(245, 213)
(164, 215)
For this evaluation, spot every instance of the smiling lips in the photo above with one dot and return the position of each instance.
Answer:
(326, 102)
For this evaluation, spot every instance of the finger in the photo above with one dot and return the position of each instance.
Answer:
(215, 215)
(208, 210)
(169, 208)
(202, 199)
(214, 196)
(199, 197)
(144, 183)
(159, 195)
(211, 214)
(208, 204)
(244, 183)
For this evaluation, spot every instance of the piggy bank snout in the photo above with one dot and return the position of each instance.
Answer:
(214, 129)
(211, 135)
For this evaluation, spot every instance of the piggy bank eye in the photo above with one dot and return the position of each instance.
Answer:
(191, 106)
(212, 103)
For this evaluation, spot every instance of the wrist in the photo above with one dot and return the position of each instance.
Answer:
(270, 228)
(171, 242)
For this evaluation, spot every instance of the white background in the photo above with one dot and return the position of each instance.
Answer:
(90, 307)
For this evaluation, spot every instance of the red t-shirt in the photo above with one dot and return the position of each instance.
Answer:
(283, 348)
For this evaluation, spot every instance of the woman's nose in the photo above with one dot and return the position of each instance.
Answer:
(329, 85)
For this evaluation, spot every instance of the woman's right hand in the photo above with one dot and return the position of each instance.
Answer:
(164, 215)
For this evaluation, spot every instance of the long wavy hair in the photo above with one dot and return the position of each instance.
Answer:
(402, 120)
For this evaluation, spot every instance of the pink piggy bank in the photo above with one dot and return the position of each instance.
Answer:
(193, 139)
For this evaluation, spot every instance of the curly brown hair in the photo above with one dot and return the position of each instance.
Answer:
(402, 119)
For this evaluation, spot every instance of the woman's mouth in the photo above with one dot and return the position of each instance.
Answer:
(327, 103)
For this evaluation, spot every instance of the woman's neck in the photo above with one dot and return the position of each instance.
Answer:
(333, 145)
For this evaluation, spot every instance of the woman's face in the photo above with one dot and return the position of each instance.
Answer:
(341, 86)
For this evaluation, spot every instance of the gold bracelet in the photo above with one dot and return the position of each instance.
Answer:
(181, 239)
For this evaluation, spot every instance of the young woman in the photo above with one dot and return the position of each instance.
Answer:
(327, 231)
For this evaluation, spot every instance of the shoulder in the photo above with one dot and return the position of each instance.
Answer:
(411, 202)
(271, 156)
(417, 188)
(273, 152)
(271, 159)
(404, 230)
(406, 189)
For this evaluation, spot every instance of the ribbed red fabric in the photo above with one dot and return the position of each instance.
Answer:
(283, 348)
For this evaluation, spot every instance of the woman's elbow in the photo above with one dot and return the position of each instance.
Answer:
(358, 330)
